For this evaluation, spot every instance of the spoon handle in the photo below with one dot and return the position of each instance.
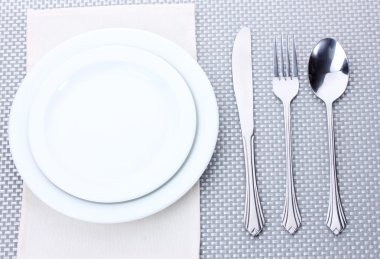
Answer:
(253, 215)
(336, 220)
(291, 218)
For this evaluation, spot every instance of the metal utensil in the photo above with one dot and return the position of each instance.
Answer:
(285, 87)
(242, 79)
(328, 76)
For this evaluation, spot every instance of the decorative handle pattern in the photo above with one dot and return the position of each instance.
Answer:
(253, 215)
(291, 218)
(336, 220)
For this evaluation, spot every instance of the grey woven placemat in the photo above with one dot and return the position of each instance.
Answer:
(356, 25)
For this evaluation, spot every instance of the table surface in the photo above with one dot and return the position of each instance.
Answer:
(356, 24)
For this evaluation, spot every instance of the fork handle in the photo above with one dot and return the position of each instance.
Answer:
(336, 220)
(253, 215)
(291, 218)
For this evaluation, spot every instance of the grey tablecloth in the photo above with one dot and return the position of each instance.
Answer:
(356, 25)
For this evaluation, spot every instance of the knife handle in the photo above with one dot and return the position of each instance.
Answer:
(253, 215)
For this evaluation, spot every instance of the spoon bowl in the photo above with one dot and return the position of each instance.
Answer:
(328, 70)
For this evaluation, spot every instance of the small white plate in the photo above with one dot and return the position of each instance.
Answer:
(112, 124)
(172, 190)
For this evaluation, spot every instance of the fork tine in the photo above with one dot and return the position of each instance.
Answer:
(295, 67)
(275, 60)
(287, 55)
(282, 59)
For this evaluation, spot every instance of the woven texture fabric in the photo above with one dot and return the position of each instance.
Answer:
(356, 25)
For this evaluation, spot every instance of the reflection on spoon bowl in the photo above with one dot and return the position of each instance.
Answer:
(328, 70)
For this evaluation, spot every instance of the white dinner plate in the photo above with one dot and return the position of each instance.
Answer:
(172, 190)
(111, 124)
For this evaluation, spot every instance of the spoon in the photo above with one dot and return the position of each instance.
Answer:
(328, 76)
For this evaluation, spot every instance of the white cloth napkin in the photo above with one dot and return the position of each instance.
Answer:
(171, 233)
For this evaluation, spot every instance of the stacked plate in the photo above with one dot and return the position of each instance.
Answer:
(113, 125)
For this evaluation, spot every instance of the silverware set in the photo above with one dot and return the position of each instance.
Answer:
(328, 76)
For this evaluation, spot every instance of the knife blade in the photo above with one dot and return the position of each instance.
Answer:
(242, 81)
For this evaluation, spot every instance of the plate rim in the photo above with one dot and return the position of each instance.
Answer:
(88, 211)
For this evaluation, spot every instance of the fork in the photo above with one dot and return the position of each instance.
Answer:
(285, 87)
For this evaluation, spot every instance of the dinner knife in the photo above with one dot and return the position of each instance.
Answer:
(242, 81)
